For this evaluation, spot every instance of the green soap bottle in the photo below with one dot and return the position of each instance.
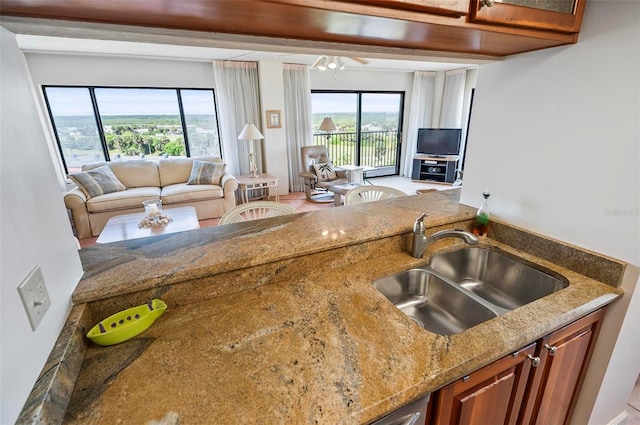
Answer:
(481, 226)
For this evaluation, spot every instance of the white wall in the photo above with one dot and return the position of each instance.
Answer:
(274, 145)
(362, 79)
(76, 69)
(555, 135)
(35, 231)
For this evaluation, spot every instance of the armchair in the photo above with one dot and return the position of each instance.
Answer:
(316, 188)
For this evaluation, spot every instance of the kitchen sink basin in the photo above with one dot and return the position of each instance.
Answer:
(433, 303)
(497, 277)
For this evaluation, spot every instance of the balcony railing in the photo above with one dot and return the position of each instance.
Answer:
(377, 148)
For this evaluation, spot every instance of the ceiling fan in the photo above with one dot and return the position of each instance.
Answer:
(325, 62)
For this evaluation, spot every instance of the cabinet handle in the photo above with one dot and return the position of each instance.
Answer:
(487, 3)
(552, 349)
(535, 361)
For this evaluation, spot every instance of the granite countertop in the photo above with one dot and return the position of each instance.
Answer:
(129, 266)
(327, 348)
(295, 333)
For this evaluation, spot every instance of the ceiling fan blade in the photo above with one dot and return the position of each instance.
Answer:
(359, 60)
(319, 63)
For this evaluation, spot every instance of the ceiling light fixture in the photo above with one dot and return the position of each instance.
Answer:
(332, 63)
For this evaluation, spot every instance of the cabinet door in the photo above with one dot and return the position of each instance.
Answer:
(513, 13)
(564, 358)
(491, 395)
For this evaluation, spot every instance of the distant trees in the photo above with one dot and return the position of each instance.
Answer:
(174, 148)
(150, 140)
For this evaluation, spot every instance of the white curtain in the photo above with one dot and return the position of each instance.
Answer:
(453, 98)
(238, 99)
(299, 123)
(419, 114)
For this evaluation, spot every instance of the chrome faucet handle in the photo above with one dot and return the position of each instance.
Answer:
(418, 226)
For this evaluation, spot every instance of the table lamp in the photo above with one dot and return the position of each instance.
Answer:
(251, 133)
(327, 126)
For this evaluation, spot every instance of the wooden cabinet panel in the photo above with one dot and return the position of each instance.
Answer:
(491, 395)
(527, 17)
(555, 384)
(453, 8)
(512, 391)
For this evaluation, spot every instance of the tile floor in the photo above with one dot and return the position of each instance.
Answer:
(297, 199)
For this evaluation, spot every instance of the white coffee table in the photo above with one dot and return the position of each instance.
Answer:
(125, 227)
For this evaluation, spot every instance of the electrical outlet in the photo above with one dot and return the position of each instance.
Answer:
(34, 296)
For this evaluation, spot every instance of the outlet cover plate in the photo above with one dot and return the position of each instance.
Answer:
(35, 297)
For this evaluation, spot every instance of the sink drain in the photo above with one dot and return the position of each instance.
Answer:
(418, 321)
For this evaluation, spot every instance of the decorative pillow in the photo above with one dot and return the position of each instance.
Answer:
(325, 171)
(98, 181)
(204, 172)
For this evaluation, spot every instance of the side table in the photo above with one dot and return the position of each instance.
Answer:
(355, 173)
(342, 189)
(263, 181)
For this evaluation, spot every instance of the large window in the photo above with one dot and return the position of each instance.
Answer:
(369, 128)
(106, 123)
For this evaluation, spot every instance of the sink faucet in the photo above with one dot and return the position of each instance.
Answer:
(421, 242)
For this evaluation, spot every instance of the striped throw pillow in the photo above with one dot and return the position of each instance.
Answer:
(98, 181)
(204, 172)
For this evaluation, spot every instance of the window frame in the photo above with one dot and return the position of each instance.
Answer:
(98, 118)
(359, 94)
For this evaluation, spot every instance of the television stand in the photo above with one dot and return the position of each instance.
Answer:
(438, 169)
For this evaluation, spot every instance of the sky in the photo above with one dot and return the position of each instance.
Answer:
(76, 101)
(326, 103)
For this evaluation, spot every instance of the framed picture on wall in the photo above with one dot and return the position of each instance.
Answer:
(273, 119)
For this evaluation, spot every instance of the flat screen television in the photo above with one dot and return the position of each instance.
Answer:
(439, 141)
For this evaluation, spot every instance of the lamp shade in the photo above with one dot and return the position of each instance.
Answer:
(250, 132)
(327, 125)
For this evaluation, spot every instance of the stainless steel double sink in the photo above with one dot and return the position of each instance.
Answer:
(460, 289)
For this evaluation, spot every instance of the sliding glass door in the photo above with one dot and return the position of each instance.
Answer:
(368, 128)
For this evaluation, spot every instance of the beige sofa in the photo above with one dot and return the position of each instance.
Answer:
(164, 179)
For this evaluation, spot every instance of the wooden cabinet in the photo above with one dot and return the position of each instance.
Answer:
(564, 358)
(514, 13)
(536, 385)
(491, 395)
(462, 28)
